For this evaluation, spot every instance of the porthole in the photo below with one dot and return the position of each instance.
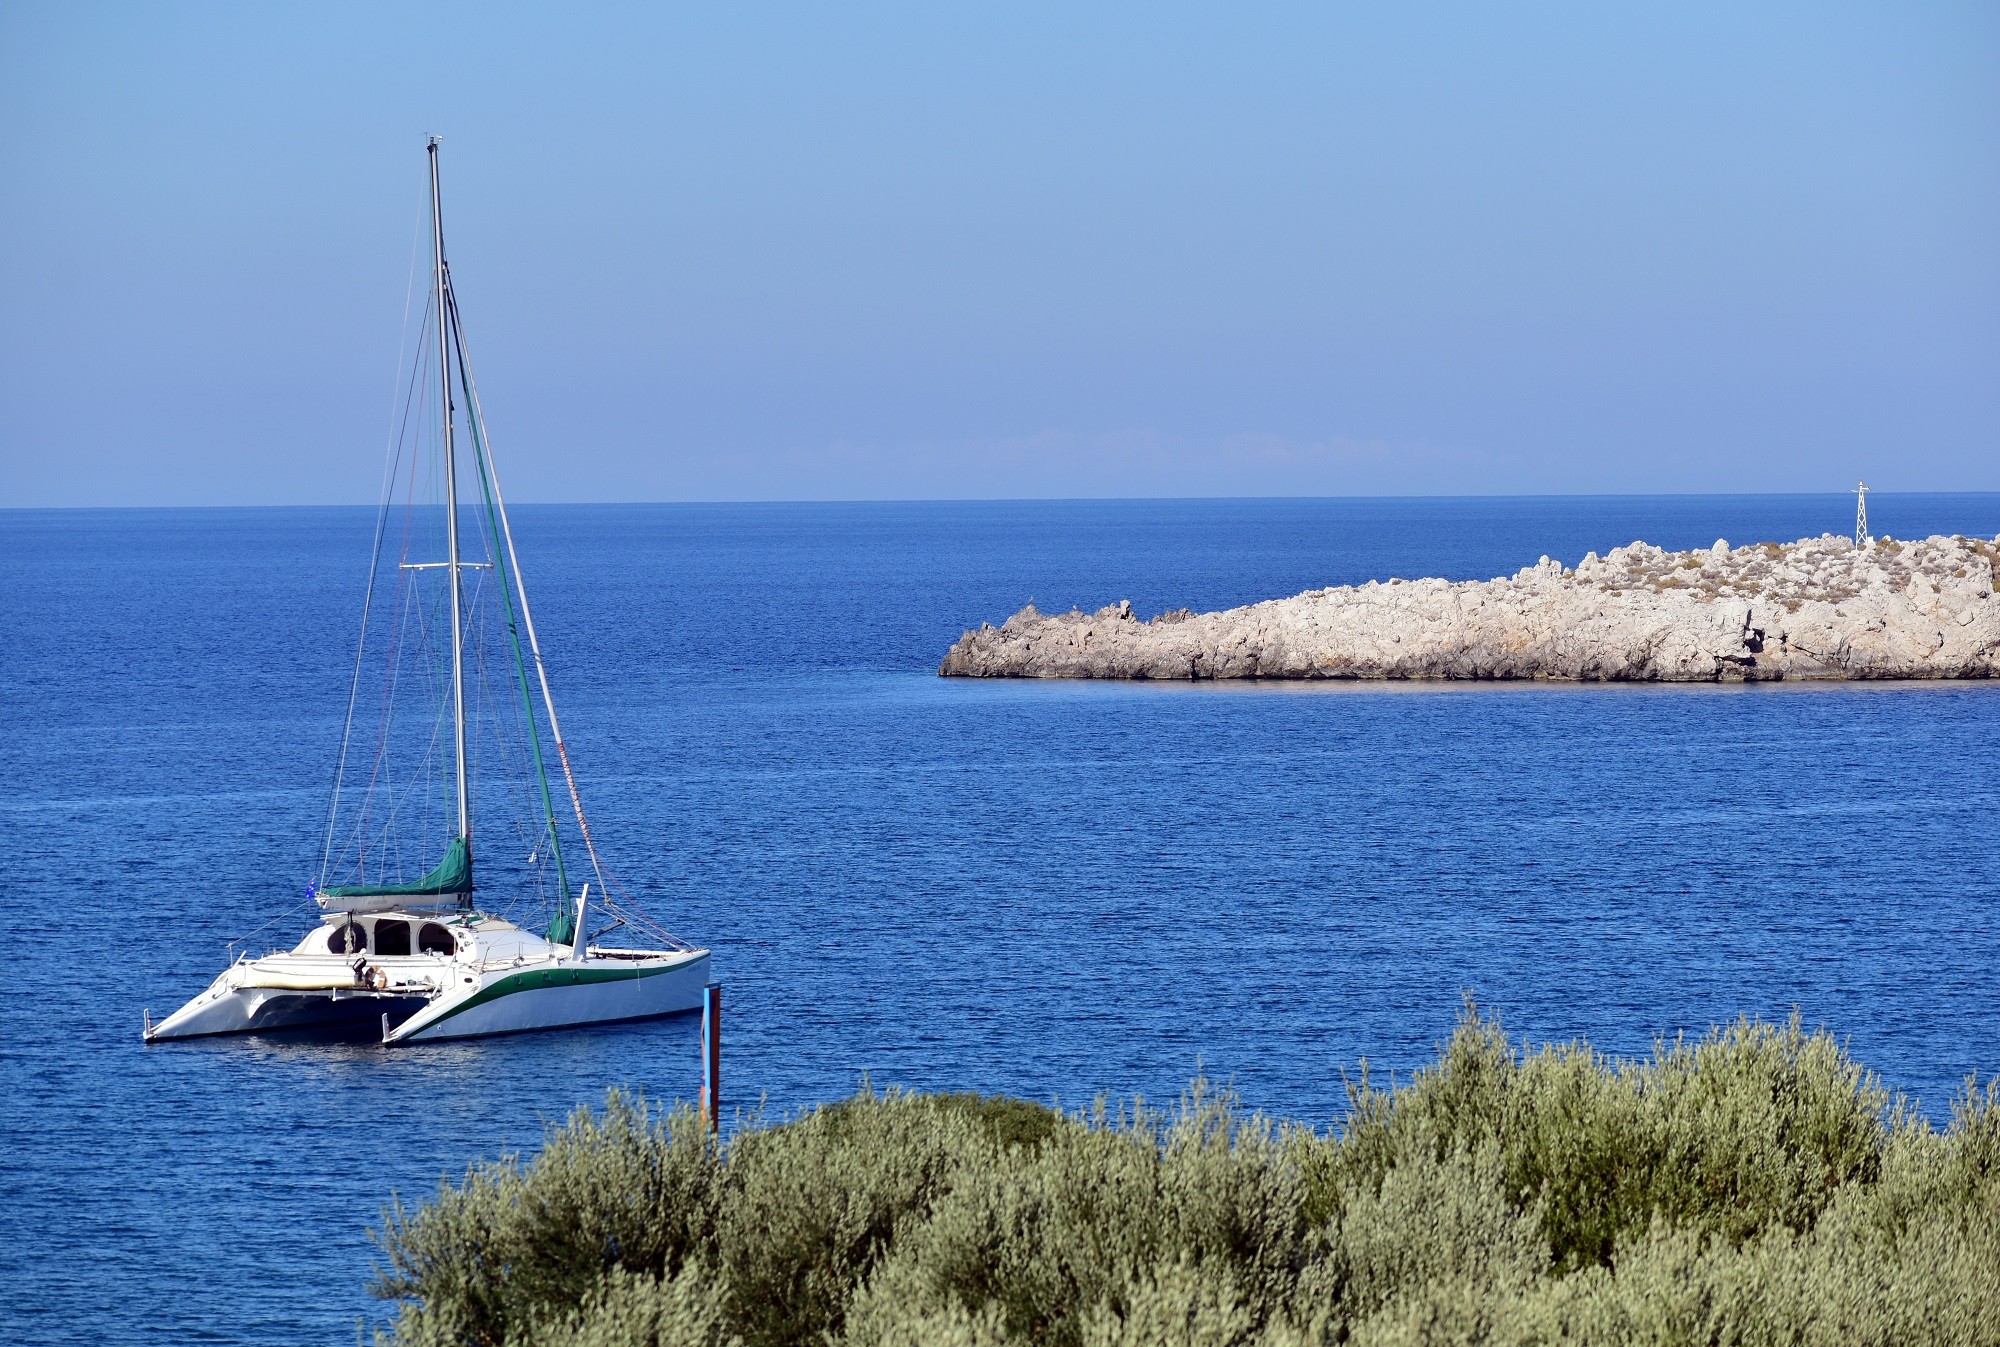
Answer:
(348, 939)
(435, 939)
(392, 937)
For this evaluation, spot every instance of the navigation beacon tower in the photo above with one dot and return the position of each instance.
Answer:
(1861, 514)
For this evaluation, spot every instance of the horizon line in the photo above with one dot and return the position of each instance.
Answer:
(1023, 500)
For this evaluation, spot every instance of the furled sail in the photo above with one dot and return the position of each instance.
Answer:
(453, 875)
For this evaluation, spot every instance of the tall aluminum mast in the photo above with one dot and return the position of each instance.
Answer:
(450, 507)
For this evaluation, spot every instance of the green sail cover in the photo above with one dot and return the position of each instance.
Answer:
(452, 875)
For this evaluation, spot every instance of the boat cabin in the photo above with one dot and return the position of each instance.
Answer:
(385, 935)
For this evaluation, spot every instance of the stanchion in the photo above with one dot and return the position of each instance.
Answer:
(711, 1056)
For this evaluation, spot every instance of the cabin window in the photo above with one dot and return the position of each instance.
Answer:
(392, 937)
(435, 939)
(347, 939)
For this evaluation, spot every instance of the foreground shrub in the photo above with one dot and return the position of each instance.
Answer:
(1755, 1187)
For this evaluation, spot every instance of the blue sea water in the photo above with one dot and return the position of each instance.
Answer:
(1047, 889)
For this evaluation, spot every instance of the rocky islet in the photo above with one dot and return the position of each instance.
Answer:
(1819, 608)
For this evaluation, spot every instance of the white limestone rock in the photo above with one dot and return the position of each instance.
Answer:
(1816, 608)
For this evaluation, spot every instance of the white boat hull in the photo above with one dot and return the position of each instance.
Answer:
(561, 995)
(254, 1010)
(501, 981)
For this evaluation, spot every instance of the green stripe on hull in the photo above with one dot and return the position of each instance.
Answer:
(534, 980)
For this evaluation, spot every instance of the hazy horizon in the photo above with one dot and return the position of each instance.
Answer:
(891, 253)
(1882, 499)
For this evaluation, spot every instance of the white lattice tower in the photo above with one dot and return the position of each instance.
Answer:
(1861, 514)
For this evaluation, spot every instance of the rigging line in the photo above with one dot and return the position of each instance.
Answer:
(410, 594)
(409, 611)
(478, 420)
(391, 675)
(392, 454)
(513, 776)
(420, 779)
(497, 730)
(442, 683)
(354, 686)
(261, 927)
(441, 279)
(411, 615)
(414, 401)
(489, 486)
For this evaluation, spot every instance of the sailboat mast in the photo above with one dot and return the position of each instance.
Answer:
(450, 507)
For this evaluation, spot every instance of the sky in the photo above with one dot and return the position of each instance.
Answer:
(862, 251)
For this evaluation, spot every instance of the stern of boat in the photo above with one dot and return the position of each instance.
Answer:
(271, 995)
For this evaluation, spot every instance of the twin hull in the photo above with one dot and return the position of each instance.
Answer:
(546, 994)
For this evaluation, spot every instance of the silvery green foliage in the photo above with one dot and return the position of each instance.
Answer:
(516, 1245)
(624, 1308)
(1757, 1186)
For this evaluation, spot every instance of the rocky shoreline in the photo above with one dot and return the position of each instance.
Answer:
(1819, 608)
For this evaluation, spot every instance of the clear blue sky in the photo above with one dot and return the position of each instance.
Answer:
(760, 252)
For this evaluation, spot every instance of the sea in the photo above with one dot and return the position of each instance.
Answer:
(1057, 890)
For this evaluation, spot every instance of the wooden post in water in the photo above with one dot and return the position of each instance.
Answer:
(711, 1056)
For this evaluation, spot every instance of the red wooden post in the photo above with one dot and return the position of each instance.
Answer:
(711, 1055)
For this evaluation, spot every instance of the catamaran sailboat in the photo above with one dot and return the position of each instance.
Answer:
(415, 954)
